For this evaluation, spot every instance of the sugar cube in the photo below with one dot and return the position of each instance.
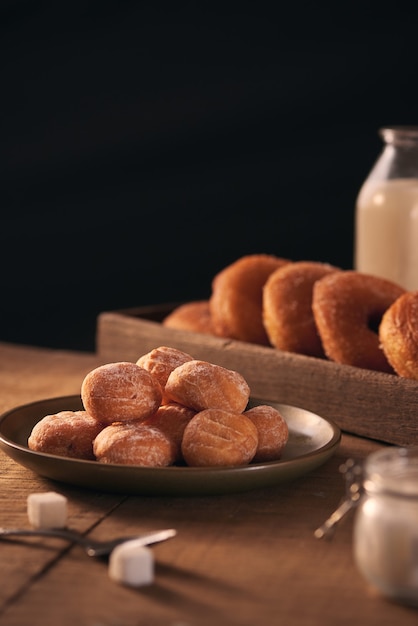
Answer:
(131, 563)
(47, 510)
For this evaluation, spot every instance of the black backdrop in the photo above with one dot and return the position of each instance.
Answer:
(144, 147)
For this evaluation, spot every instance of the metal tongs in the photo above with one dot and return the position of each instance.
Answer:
(353, 474)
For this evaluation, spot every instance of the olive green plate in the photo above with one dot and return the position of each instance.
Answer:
(312, 440)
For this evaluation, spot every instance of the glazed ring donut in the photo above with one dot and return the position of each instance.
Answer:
(398, 333)
(202, 385)
(236, 299)
(67, 433)
(120, 391)
(215, 437)
(273, 432)
(160, 362)
(348, 307)
(287, 307)
(133, 443)
(194, 316)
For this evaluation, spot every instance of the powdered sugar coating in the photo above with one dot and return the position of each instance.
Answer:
(348, 307)
(67, 433)
(273, 432)
(215, 437)
(172, 419)
(236, 299)
(120, 391)
(160, 362)
(133, 443)
(287, 307)
(194, 316)
(202, 385)
(398, 335)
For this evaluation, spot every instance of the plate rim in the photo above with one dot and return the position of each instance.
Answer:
(14, 449)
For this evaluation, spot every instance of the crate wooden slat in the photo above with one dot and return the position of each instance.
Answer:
(371, 404)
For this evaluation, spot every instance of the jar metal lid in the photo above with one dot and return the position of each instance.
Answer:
(392, 471)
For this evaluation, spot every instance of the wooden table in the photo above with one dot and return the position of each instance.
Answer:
(239, 559)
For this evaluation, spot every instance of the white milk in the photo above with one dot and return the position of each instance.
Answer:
(387, 230)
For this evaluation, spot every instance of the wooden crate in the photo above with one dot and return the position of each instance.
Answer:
(363, 402)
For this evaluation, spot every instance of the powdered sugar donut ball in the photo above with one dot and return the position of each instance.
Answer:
(160, 362)
(133, 443)
(120, 391)
(273, 432)
(172, 418)
(214, 438)
(202, 385)
(66, 433)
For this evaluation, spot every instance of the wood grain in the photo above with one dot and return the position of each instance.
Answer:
(238, 559)
(28, 373)
(371, 404)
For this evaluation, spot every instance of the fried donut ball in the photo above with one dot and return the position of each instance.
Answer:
(194, 316)
(120, 391)
(215, 437)
(202, 385)
(172, 419)
(236, 299)
(287, 307)
(160, 362)
(67, 433)
(133, 443)
(398, 333)
(273, 432)
(348, 307)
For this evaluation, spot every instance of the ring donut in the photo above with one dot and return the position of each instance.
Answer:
(348, 307)
(287, 307)
(194, 316)
(237, 298)
(398, 333)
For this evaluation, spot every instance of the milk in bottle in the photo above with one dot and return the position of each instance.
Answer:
(386, 223)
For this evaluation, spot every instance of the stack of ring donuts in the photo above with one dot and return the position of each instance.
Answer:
(166, 409)
(310, 308)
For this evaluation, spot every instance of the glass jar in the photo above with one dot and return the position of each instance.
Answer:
(385, 539)
(386, 216)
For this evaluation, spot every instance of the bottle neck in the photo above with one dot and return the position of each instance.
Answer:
(400, 136)
(399, 158)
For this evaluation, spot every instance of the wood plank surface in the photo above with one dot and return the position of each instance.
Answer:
(238, 559)
(28, 373)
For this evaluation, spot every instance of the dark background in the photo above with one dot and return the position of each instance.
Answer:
(146, 146)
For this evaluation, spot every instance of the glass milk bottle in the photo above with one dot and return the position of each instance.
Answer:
(386, 222)
(385, 537)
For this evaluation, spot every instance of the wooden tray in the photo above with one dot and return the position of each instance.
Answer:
(362, 402)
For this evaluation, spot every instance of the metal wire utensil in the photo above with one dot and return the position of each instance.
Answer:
(353, 473)
(92, 547)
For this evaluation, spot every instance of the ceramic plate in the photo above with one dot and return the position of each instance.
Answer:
(312, 440)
